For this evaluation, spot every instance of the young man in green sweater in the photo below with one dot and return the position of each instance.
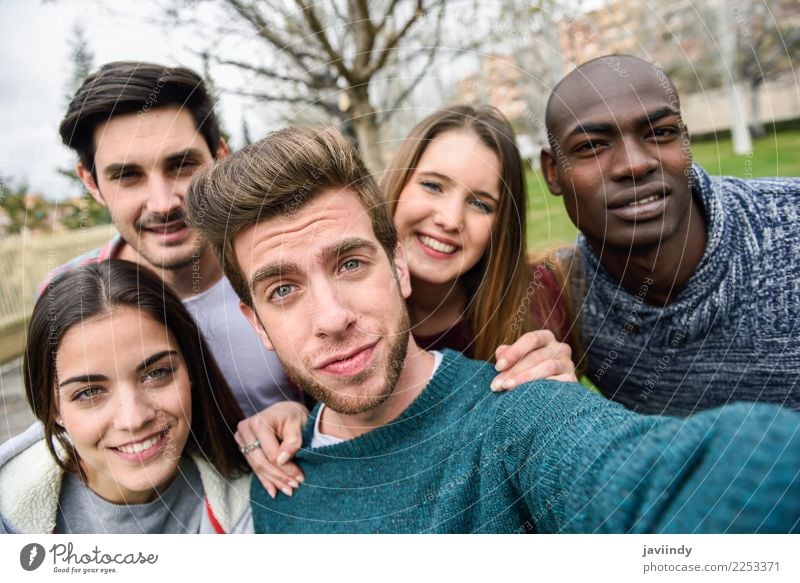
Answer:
(410, 441)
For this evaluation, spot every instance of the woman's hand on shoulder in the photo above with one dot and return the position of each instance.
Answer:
(535, 355)
(269, 440)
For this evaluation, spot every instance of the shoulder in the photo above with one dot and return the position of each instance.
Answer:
(30, 482)
(104, 253)
(745, 188)
(227, 498)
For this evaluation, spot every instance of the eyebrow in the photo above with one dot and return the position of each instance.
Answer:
(94, 378)
(155, 358)
(87, 378)
(445, 178)
(183, 155)
(171, 159)
(282, 268)
(273, 270)
(606, 128)
(347, 246)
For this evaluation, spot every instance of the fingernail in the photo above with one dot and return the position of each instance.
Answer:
(495, 386)
(271, 493)
(300, 479)
(509, 384)
(283, 457)
(287, 491)
(294, 484)
(501, 365)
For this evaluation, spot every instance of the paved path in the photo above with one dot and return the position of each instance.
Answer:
(15, 415)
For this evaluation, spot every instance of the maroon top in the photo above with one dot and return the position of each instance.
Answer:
(551, 313)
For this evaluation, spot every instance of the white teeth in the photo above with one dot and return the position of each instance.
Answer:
(437, 245)
(142, 445)
(645, 200)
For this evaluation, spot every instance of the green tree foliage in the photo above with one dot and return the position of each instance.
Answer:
(22, 210)
(85, 211)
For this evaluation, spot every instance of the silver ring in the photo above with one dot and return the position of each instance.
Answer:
(250, 447)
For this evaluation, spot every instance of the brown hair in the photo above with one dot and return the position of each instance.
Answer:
(499, 283)
(101, 288)
(277, 176)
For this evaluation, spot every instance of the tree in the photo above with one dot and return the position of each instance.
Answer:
(23, 210)
(328, 55)
(82, 59)
(86, 211)
(768, 47)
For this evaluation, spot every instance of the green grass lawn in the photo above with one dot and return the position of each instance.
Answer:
(774, 155)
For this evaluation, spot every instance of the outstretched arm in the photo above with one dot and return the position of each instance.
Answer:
(592, 466)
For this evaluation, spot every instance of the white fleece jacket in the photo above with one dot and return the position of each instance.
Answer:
(30, 484)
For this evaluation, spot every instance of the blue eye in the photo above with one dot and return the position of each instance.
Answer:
(351, 264)
(88, 394)
(281, 291)
(431, 186)
(157, 374)
(481, 206)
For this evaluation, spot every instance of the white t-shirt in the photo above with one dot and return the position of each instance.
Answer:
(323, 439)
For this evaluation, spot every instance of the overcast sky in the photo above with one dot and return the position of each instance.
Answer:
(35, 69)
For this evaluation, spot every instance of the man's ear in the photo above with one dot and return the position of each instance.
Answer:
(89, 182)
(255, 322)
(401, 270)
(548, 163)
(222, 149)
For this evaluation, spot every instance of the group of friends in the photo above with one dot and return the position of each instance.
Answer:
(170, 371)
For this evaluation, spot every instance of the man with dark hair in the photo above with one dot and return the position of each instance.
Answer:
(141, 131)
(688, 285)
(406, 440)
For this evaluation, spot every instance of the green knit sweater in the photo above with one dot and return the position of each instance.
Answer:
(545, 457)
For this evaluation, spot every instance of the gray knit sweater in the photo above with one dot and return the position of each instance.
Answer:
(733, 333)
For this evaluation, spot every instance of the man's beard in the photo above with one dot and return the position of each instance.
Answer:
(348, 404)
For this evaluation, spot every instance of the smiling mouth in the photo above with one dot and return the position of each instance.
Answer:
(350, 364)
(166, 228)
(437, 245)
(137, 448)
(645, 200)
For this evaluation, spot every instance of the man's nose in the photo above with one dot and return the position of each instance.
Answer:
(331, 312)
(633, 159)
(162, 196)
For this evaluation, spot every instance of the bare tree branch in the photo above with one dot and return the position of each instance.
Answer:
(386, 16)
(431, 57)
(329, 108)
(319, 33)
(265, 31)
(391, 44)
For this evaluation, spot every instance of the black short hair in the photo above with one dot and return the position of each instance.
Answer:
(124, 87)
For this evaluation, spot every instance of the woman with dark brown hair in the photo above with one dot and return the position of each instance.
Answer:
(137, 422)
